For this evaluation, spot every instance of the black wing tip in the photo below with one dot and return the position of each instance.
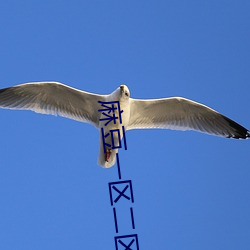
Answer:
(239, 131)
(3, 90)
(240, 136)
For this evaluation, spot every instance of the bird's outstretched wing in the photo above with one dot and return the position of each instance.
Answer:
(53, 98)
(182, 114)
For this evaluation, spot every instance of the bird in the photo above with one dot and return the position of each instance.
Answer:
(176, 113)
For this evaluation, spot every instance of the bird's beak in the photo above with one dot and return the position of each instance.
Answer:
(122, 88)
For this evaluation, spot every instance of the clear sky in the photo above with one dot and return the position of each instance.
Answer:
(191, 190)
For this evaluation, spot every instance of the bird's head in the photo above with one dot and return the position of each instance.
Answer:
(124, 91)
(121, 93)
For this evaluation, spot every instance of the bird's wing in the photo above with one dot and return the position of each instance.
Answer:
(182, 114)
(53, 98)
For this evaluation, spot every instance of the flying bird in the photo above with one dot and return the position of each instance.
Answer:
(175, 113)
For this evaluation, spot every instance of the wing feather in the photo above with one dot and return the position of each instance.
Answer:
(53, 98)
(182, 114)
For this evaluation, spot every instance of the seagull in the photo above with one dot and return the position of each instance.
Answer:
(175, 113)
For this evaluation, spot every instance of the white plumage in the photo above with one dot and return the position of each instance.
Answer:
(168, 113)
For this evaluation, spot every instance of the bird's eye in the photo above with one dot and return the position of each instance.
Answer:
(126, 93)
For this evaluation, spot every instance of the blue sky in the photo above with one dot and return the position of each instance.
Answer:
(191, 190)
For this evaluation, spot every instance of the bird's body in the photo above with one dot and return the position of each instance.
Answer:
(167, 113)
(108, 159)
